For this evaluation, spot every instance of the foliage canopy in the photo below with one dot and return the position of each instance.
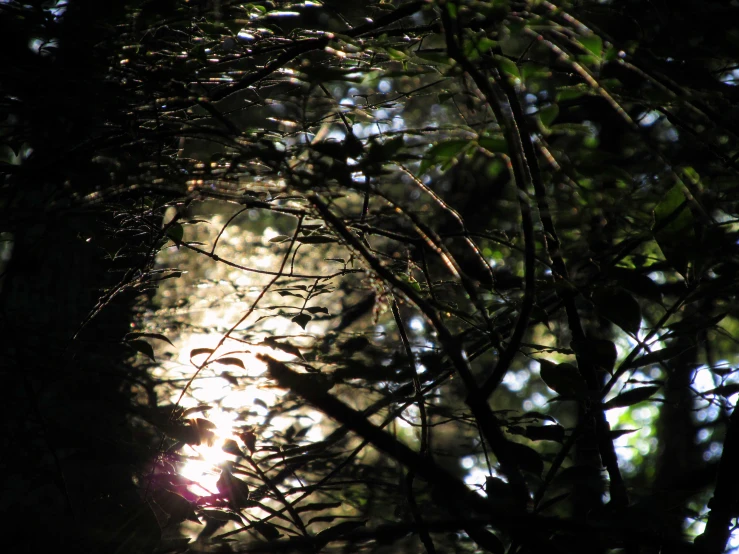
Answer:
(480, 253)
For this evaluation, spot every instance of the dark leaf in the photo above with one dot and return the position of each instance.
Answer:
(143, 347)
(600, 353)
(176, 506)
(337, 531)
(486, 540)
(630, 397)
(196, 409)
(317, 310)
(234, 489)
(231, 361)
(656, 357)
(232, 447)
(250, 440)
(552, 501)
(176, 232)
(198, 351)
(545, 433)
(583, 475)
(621, 432)
(316, 506)
(317, 239)
(301, 319)
(527, 458)
(725, 390)
(564, 379)
(267, 530)
(618, 306)
(156, 336)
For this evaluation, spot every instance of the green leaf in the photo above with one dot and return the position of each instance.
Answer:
(493, 143)
(548, 114)
(142, 347)
(301, 319)
(630, 397)
(600, 353)
(508, 67)
(592, 43)
(619, 307)
(444, 154)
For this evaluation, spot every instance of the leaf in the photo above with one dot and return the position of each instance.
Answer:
(236, 490)
(619, 307)
(674, 229)
(301, 319)
(198, 351)
(143, 347)
(621, 432)
(317, 310)
(539, 416)
(527, 458)
(564, 379)
(177, 507)
(508, 67)
(267, 530)
(316, 506)
(600, 353)
(592, 43)
(635, 282)
(176, 232)
(231, 446)
(725, 390)
(250, 439)
(493, 143)
(545, 433)
(630, 397)
(583, 475)
(280, 238)
(548, 114)
(551, 502)
(156, 336)
(333, 533)
(486, 540)
(197, 409)
(317, 239)
(655, 357)
(284, 346)
(231, 361)
(444, 154)
(221, 515)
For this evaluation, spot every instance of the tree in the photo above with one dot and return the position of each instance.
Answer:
(499, 246)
